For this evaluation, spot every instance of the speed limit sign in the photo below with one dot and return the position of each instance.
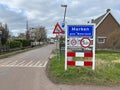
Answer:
(85, 42)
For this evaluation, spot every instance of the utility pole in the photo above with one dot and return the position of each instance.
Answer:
(27, 31)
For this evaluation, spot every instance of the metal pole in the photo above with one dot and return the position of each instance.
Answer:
(66, 50)
(56, 47)
(65, 36)
(93, 66)
(64, 12)
(59, 47)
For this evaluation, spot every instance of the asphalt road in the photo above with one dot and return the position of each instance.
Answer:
(26, 71)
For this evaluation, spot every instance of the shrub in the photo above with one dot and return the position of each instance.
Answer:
(25, 43)
(15, 44)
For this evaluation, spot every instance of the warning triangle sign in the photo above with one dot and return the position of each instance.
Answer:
(58, 29)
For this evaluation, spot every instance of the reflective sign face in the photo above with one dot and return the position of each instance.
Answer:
(80, 30)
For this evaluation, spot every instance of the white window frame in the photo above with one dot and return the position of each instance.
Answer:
(101, 37)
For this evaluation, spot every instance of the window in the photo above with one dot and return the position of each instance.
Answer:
(101, 40)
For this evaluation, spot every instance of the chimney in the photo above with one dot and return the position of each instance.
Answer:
(108, 10)
(92, 20)
(0, 24)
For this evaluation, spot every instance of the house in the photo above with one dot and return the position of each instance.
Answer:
(22, 36)
(4, 33)
(30, 34)
(1, 29)
(107, 28)
(36, 34)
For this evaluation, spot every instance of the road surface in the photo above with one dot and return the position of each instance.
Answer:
(26, 71)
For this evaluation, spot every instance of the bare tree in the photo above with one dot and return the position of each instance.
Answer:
(5, 34)
(40, 34)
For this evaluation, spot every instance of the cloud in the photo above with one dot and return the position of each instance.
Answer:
(14, 18)
(48, 12)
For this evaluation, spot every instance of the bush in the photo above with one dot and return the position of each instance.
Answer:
(15, 44)
(25, 43)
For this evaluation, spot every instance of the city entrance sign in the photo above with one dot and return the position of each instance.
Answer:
(85, 35)
(80, 30)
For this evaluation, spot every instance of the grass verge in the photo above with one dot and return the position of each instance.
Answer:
(107, 71)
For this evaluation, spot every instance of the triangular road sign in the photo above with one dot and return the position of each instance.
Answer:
(57, 29)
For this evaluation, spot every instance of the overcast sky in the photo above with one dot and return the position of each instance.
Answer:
(48, 12)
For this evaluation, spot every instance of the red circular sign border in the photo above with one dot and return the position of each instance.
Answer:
(72, 43)
(81, 42)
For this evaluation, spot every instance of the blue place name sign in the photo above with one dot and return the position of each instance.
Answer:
(80, 30)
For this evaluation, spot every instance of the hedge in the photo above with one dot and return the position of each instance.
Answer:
(25, 43)
(15, 44)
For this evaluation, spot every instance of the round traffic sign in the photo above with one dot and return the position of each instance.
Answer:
(85, 42)
(73, 42)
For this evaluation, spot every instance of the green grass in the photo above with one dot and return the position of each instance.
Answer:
(106, 71)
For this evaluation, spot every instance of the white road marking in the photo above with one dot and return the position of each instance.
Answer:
(21, 63)
(16, 63)
(45, 63)
(5, 63)
(28, 63)
(37, 63)
(31, 64)
(12, 63)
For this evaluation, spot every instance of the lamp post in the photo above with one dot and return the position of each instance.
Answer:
(65, 6)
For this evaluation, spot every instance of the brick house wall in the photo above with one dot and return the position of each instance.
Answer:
(105, 27)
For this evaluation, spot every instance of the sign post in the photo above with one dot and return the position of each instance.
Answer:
(58, 30)
(85, 35)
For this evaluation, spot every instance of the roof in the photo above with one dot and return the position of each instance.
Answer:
(100, 19)
(97, 20)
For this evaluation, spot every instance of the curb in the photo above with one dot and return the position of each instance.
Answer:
(51, 56)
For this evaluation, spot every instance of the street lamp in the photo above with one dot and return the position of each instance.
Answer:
(65, 6)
